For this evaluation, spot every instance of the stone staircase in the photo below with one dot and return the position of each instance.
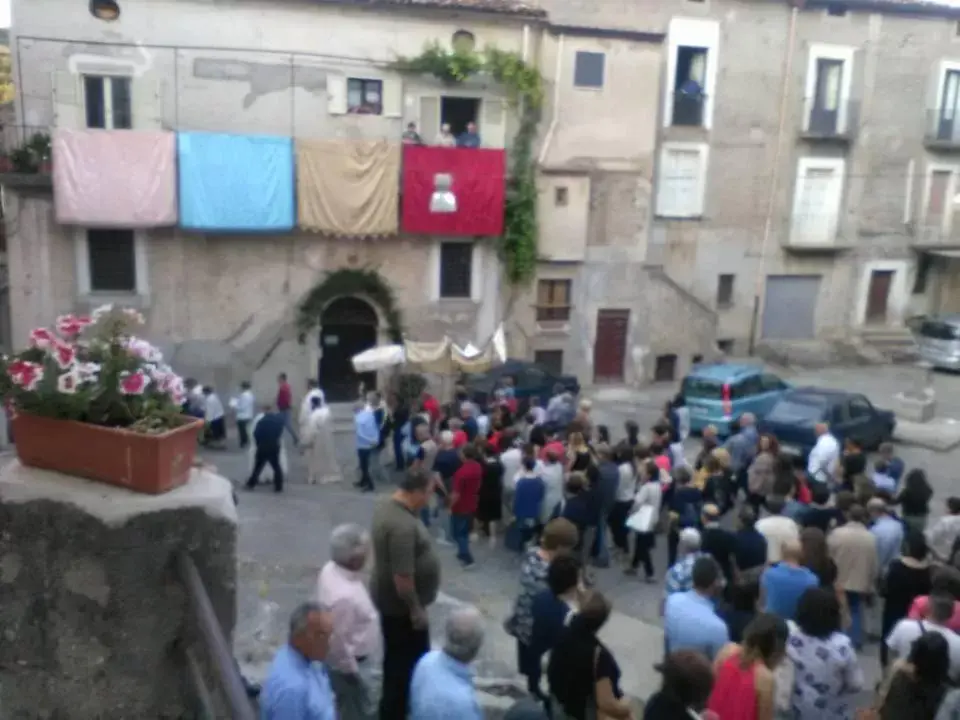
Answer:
(895, 345)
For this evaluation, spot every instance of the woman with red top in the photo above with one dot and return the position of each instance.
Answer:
(744, 686)
(464, 499)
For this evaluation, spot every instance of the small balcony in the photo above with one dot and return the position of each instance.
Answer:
(934, 235)
(838, 124)
(942, 129)
(688, 109)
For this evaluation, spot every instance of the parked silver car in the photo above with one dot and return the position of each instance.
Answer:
(938, 340)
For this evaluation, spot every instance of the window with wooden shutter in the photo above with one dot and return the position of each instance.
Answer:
(493, 124)
(553, 300)
(681, 181)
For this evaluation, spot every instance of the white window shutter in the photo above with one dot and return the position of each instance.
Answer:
(666, 185)
(146, 97)
(493, 123)
(429, 120)
(68, 111)
(336, 94)
(392, 97)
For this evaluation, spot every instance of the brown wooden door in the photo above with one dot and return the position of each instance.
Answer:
(610, 346)
(878, 295)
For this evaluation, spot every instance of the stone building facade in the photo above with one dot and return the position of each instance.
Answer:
(806, 188)
(225, 304)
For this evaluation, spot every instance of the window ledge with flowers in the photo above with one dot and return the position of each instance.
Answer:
(92, 399)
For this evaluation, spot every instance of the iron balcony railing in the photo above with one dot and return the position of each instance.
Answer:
(688, 109)
(943, 127)
(830, 121)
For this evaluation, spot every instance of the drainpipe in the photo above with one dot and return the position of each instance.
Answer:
(775, 175)
(525, 46)
(548, 138)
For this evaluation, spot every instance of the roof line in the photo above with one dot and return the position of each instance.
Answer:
(449, 5)
(928, 9)
(606, 33)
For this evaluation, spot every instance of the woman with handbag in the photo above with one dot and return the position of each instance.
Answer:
(644, 518)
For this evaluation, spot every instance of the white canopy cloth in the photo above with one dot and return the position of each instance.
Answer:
(379, 358)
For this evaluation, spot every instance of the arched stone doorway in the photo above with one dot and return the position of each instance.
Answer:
(348, 326)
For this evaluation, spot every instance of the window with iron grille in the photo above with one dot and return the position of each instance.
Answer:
(725, 291)
(456, 269)
(553, 300)
(112, 260)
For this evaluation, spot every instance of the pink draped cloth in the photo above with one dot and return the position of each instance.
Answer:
(115, 178)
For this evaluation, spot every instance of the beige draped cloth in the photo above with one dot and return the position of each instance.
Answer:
(348, 187)
(432, 357)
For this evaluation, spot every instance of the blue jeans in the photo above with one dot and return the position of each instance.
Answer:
(855, 603)
(601, 553)
(363, 459)
(288, 424)
(460, 530)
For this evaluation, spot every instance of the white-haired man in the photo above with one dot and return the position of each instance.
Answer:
(298, 687)
(342, 591)
(442, 683)
(680, 575)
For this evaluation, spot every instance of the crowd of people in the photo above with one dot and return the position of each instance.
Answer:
(779, 571)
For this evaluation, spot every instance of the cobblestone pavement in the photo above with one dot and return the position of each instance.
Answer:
(283, 542)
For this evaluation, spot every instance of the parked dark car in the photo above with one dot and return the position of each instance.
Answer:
(793, 418)
(529, 380)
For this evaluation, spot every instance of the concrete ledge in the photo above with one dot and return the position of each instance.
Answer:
(939, 434)
(114, 506)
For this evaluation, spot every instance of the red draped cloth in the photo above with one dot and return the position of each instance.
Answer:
(478, 181)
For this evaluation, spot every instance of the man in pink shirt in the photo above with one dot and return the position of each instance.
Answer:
(356, 625)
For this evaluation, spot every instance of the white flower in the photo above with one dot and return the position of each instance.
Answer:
(98, 314)
(67, 382)
(88, 372)
(135, 316)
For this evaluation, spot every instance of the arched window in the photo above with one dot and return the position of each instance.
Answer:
(463, 41)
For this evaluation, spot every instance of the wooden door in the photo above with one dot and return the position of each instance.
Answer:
(878, 295)
(610, 347)
(348, 327)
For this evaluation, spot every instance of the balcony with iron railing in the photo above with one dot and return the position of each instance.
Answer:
(688, 110)
(942, 129)
(830, 124)
(934, 233)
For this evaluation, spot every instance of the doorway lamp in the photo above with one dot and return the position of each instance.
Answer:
(443, 200)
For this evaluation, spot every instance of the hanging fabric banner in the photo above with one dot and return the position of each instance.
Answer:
(236, 182)
(453, 191)
(348, 188)
(115, 178)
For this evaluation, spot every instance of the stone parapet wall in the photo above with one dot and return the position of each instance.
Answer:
(93, 617)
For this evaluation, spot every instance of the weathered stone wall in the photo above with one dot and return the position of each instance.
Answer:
(92, 614)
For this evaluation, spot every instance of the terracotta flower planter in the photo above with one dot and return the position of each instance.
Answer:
(151, 464)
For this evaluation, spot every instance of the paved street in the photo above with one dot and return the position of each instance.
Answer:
(283, 542)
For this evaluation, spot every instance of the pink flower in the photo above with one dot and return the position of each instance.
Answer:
(67, 382)
(25, 374)
(42, 338)
(69, 326)
(64, 353)
(133, 383)
(143, 350)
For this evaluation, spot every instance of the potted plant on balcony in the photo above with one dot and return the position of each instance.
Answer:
(92, 399)
(39, 147)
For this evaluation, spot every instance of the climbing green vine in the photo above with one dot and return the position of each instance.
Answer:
(350, 281)
(524, 90)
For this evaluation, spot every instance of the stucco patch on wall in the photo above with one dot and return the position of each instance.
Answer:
(263, 78)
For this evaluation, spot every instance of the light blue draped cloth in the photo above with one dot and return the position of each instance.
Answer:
(239, 183)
